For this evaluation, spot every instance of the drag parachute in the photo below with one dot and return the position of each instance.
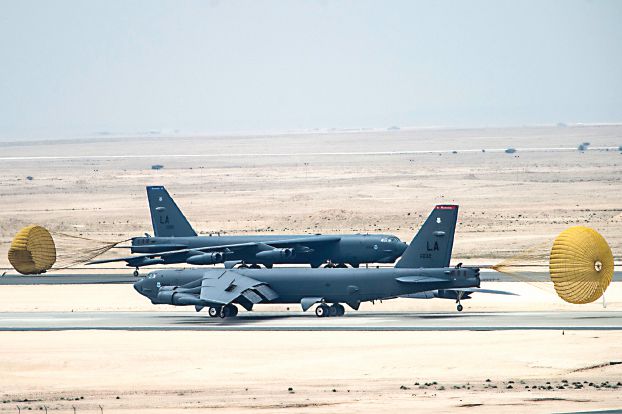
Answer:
(580, 265)
(32, 250)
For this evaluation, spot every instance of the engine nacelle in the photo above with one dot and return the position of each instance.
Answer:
(172, 297)
(430, 294)
(274, 255)
(206, 258)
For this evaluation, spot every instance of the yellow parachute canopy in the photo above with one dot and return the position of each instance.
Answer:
(32, 250)
(581, 265)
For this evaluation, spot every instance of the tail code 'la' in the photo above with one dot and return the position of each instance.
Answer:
(431, 247)
(166, 217)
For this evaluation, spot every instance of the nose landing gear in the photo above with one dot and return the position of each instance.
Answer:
(136, 272)
(459, 307)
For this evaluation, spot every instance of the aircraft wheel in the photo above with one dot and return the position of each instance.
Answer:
(243, 266)
(225, 312)
(459, 307)
(255, 266)
(340, 309)
(234, 310)
(213, 312)
(329, 266)
(136, 273)
(322, 311)
(332, 311)
(341, 266)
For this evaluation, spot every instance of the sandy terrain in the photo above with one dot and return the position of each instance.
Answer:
(328, 371)
(509, 203)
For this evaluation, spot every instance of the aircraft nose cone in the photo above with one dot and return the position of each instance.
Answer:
(139, 286)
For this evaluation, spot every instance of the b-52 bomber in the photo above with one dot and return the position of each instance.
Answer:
(424, 267)
(175, 241)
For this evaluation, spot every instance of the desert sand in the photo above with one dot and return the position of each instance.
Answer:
(365, 181)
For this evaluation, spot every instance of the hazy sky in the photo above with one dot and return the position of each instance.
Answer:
(72, 68)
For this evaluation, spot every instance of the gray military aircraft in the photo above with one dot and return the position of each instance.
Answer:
(175, 241)
(424, 267)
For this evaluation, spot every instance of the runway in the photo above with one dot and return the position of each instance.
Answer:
(67, 279)
(106, 278)
(298, 321)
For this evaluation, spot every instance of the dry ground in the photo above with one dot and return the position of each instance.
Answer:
(342, 372)
(508, 203)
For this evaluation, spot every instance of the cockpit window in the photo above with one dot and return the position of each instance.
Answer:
(389, 240)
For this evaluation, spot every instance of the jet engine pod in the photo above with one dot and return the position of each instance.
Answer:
(205, 259)
(32, 250)
(581, 265)
(274, 255)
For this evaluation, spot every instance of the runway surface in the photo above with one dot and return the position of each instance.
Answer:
(67, 279)
(298, 321)
(104, 278)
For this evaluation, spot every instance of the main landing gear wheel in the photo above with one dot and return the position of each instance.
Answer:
(459, 308)
(228, 311)
(213, 312)
(243, 266)
(322, 311)
(255, 266)
(339, 309)
(341, 266)
(136, 272)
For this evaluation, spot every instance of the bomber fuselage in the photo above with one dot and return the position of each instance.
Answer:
(352, 249)
(333, 285)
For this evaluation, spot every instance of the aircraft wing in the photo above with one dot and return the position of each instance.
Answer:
(493, 291)
(231, 286)
(131, 260)
(263, 245)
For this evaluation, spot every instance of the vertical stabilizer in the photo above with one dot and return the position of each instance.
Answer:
(431, 247)
(166, 217)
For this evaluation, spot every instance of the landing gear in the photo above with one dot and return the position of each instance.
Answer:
(341, 266)
(243, 266)
(324, 311)
(228, 311)
(213, 312)
(136, 272)
(255, 266)
(459, 307)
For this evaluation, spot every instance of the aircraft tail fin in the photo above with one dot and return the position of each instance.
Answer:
(166, 217)
(431, 247)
